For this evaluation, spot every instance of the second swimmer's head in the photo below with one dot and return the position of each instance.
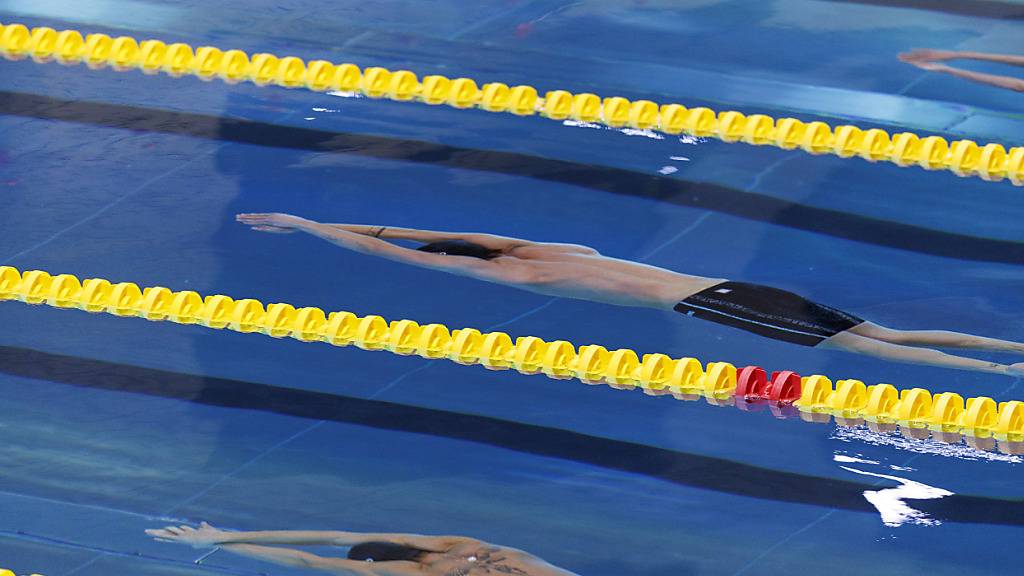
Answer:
(460, 248)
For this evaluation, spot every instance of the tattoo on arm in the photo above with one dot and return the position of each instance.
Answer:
(489, 561)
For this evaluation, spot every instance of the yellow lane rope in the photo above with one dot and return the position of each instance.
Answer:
(656, 374)
(963, 157)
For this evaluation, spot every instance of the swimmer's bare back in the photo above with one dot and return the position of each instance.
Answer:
(589, 275)
(474, 557)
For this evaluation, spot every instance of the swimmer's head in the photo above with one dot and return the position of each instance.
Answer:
(385, 552)
(460, 248)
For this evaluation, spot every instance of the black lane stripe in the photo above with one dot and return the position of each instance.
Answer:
(681, 468)
(976, 8)
(755, 207)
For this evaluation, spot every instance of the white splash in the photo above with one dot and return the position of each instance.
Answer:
(890, 501)
(310, 118)
(341, 94)
(679, 158)
(687, 139)
(325, 110)
(582, 124)
(930, 446)
(668, 170)
(851, 460)
(626, 131)
(645, 133)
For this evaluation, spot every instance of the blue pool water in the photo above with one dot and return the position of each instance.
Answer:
(111, 426)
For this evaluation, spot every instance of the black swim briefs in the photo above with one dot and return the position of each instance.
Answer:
(768, 312)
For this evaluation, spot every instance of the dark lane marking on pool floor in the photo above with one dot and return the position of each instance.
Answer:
(685, 469)
(700, 195)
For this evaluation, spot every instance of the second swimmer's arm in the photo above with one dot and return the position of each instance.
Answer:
(1001, 58)
(296, 537)
(301, 559)
(333, 538)
(1007, 82)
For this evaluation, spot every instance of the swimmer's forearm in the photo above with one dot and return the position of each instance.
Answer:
(398, 233)
(1001, 58)
(344, 238)
(282, 556)
(311, 537)
(1007, 82)
(299, 558)
(296, 537)
(426, 236)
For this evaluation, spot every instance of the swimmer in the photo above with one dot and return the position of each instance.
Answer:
(930, 60)
(579, 272)
(369, 554)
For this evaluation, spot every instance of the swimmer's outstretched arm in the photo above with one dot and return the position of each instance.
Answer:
(1008, 82)
(333, 538)
(463, 265)
(246, 544)
(489, 241)
(341, 566)
(278, 223)
(929, 55)
(930, 60)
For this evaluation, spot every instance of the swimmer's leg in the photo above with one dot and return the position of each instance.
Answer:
(869, 346)
(939, 338)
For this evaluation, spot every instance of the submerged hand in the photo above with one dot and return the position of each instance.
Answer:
(927, 55)
(931, 66)
(205, 536)
(1016, 370)
(273, 222)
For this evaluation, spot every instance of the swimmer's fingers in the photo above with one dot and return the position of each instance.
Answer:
(163, 534)
(927, 55)
(930, 66)
(251, 218)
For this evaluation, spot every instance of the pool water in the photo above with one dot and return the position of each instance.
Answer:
(111, 426)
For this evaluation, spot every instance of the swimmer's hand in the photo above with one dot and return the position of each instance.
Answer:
(273, 222)
(931, 66)
(1016, 369)
(205, 536)
(916, 57)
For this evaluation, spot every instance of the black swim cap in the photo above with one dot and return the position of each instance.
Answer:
(385, 552)
(460, 248)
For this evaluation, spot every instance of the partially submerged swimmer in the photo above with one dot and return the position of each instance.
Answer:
(580, 272)
(381, 554)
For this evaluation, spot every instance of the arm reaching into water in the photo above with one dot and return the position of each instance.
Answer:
(1007, 82)
(928, 55)
(929, 60)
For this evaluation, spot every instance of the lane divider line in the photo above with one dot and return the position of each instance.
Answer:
(992, 161)
(813, 398)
